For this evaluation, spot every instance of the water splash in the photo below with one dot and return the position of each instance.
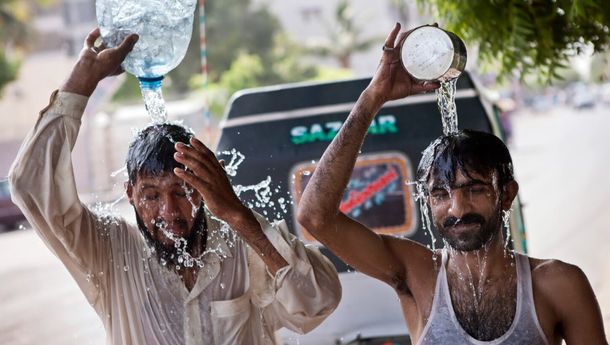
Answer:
(506, 222)
(155, 105)
(446, 104)
(106, 214)
(234, 162)
(122, 170)
(420, 198)
(262, 193)
(262, 197)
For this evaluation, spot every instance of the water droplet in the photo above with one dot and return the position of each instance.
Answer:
(125, 268)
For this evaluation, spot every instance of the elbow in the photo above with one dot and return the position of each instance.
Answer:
(312, 219)
(17, 186)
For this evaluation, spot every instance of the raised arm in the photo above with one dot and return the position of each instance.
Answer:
(41, 178)
(294, 286)
(318, 211)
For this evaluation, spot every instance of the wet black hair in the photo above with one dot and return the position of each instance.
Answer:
(466, 151)
(152, 151)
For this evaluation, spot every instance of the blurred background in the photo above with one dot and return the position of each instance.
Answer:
(551, 81)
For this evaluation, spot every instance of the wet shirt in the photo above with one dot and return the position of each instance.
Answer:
(235, 300)
(443, 326)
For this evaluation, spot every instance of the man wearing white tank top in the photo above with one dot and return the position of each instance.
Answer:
(475, 291)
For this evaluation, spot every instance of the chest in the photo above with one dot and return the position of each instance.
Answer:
(485, 311)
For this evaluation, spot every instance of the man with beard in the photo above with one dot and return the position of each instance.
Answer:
(199, 267)
(474, 291)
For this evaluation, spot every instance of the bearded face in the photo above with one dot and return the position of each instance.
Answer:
(167, 212)
(467, 213)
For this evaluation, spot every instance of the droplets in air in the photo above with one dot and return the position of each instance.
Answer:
(188, 192)
(420, 197)
(262, 192)
(122, 171)
(236, 158)
(259, 194)
(506, 222)
(106, 214)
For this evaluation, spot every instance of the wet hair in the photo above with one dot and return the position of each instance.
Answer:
(152, 151)
(465, 151)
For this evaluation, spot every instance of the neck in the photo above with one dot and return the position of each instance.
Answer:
(490, 260)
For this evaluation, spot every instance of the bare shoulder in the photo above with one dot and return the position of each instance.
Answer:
(565, 301)
(558, 280)
(555, 273)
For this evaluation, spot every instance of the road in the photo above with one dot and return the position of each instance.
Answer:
(562, 162)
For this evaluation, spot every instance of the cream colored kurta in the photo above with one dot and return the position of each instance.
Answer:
(234, 301)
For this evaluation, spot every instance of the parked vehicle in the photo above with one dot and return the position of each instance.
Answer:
(10, 215)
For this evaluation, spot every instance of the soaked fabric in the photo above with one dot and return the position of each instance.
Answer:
(234, 301)
(443, 326)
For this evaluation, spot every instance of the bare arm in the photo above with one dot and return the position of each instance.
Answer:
(578, 309)
(318, 211)
(569, 308)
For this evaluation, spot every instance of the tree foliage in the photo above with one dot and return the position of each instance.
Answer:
(14, 33)
(236, 26)
(527, 37)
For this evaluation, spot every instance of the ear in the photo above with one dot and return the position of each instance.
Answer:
(129, 191)
(511, 188)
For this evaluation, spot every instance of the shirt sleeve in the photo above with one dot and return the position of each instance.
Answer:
(43, 186)
(299, 296)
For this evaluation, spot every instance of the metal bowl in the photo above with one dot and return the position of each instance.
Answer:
(433, 54)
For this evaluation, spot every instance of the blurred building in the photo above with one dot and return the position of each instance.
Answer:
(78, 19)
(310, 22)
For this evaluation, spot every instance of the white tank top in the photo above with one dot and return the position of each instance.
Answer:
(444, 328)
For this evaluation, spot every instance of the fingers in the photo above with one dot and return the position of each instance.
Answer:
(191, 179)
(389, 41)
(425, 86)
(91, 37)
(127, 45)
(200, 146)
(402, 37)
(198, 158)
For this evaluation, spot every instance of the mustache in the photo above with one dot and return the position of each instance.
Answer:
(161, 223)
(469, 218)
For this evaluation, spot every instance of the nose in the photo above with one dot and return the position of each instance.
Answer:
(459, 204)
(168, 209)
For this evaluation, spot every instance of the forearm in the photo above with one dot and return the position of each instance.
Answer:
(334, 169)
(84, 78)
(246, 225)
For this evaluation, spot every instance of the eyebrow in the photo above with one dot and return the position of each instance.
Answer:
(155, 186)
(470, 183)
